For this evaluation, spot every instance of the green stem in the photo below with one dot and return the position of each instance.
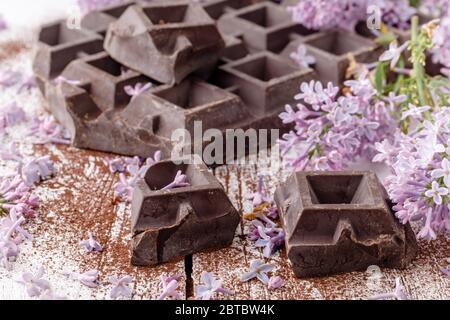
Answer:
(417, 66)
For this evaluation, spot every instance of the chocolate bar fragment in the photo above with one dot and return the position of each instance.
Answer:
(332, 51)
(171, 224)
(99, 20)
(58, 46)
(341, 222)
(263, 26)
(93, 105)
(165, 41)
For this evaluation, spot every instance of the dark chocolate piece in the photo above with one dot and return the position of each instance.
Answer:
(246, 88)
(165, 41)
(341, 222)
(331, 51)
(171, 224)
(263, 26)
(58, 46)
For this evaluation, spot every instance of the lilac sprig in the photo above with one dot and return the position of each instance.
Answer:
(327, 14)
(16, 197)
(419, 184)
(332, 132)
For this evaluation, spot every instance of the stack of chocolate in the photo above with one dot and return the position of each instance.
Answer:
(229, 64)
(226, 63)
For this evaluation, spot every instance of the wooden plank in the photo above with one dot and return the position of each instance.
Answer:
(422, 279)
(80, 199)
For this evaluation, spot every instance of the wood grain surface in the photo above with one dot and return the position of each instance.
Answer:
(80, 199)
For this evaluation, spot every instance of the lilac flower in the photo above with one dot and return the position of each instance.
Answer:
(120, 287)
(62, 79)
(445, 271)
(10, 78)
(50, 295)
(333, 132)
(414, 112)
(270, 243)
(275, 282)
(15, 196)
(137, 90)
(34, 283)
(398, 293)
(27, 84)
(443, 171)
(11, 115)
(3, 25)
(417, 185)
(91, 244)
(116, 165)
(302, 58)
(258, 197)
(326, 14)
(10, 153)
(169, 286)
(436, 192)
(394, 53)
(47, 130)
(180, 181)
(441, 42)
(125, 187)
(209, 287)
(258, 269)
(36, 169)
(88, 278)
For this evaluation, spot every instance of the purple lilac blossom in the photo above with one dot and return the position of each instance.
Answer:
(275, 282)
(36, 169)
(419, 183)
(88, 278)
(137, 90)
(11, 115)
(121, 287)
(169, 287)
(398, 293)
(326, 14)
(47, 130)
(259, 270)
(179, 181)
(332, 132)
(209, 287)
(258, 197)
(91, 244)
(34, 283)
(441, 43)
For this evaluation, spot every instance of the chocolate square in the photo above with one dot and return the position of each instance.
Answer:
(165, 41)
(341, 222)
(170, 224)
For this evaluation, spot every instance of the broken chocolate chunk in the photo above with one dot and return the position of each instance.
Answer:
(341, 222)
(171, 224)
(165, 41)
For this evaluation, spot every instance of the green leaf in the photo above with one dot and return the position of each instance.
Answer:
(380, 77)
